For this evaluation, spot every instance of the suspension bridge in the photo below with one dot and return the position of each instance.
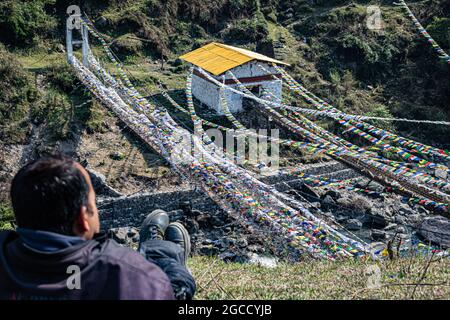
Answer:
(409, 168)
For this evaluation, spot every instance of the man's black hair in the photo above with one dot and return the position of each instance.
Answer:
(47, 194)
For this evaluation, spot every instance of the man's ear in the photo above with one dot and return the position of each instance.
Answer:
(81, 225)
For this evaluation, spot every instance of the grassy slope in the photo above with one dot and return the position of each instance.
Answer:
(321, 280)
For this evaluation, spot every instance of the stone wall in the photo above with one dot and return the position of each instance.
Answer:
(208, 93)
(130, 211)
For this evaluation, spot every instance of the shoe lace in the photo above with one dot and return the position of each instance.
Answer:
(154, 232)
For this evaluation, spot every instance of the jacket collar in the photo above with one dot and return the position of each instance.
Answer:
(46, 241)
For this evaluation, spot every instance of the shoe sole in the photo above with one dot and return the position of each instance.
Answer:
(186, 237)
(145, 223)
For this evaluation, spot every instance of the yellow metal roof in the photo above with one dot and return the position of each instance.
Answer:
(216, 58)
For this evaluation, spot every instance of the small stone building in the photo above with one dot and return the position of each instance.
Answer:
(216, 59)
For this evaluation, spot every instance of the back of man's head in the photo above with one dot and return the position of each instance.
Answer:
(47, 194)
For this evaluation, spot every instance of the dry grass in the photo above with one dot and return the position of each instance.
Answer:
(399, 279)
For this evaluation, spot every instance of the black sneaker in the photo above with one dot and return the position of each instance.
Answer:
(178, 234)
(154, 226)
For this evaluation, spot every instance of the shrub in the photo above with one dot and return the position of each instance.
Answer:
(17, 92)
(23, 22)
(54, 112)
(6, 217)
(61, 76)
(247, 31)
(440, 31)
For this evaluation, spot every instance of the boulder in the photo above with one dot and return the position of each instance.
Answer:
(437, 230)
(374, 186)
(378, 235)
(353, 224)
(309, 191)
(120, 235)
(263, 261)
(377, 221)
(328, 202)
(391, 226)
(401, 230)
(414, 219)
(400, 220)
(102, 21)
(333, 194)
(208, 250)
(441, 174)
(228, 256)
(60, 48)
(405, 210)
(242, 243)
(117, 155)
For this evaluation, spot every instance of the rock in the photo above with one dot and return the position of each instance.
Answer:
(353, 224)
(132, 232)
(405, 210)
(333, 194)
(186, 206)
(256, 248)
(401, 230)
(100, 185)
(242, 243)
(192, 226)
(208, 250)
(204, 221)
(378, 235)
(390, 226)
(423, 211)
(328, 202)
(437, 230)
(327, 214)
(341, 219)
(309, 191)
(316, 204)
(176, 215)
(102, 21)
(119, 235)
(374, 186)
(377, 221)
(60, 48)
(400, 220)
(343, 202)
(216, 221)
(228, 256)
(194, 213)
(414, 219)
(263, 261)
(441, 174)
(117, 155)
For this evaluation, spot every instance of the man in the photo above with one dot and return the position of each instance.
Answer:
(57, 251)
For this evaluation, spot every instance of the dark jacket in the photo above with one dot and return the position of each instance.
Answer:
(107, 271)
